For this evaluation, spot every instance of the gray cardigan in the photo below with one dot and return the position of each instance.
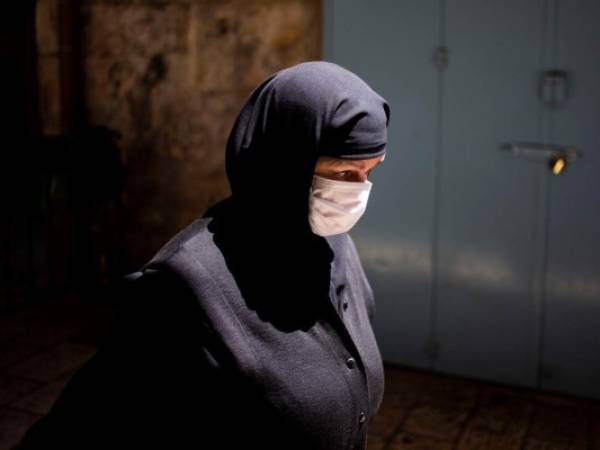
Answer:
(324, 383)
(188, 364)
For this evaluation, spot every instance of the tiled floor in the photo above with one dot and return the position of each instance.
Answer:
(427, 411)
(40, 349)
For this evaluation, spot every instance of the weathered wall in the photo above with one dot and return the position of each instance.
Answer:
(171, 77)
(48, 60)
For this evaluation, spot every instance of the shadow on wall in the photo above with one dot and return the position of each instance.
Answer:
(64, 224)
(171, 77)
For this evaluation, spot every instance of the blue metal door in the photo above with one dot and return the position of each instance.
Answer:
(484, 264)
(388, 43)
(485, 320)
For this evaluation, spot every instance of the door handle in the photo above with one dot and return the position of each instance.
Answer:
(557, 156)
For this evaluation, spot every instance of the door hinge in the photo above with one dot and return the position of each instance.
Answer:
(441, 56)
(554, 88)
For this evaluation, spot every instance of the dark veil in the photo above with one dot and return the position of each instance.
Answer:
(290, 119)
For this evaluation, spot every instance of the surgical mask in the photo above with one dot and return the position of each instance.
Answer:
(335, 206)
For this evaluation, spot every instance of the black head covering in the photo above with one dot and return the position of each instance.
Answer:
(294, 116)
(290, 119)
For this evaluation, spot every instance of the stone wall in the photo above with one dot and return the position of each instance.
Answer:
(171, 76)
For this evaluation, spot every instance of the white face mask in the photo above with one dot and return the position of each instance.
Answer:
(335, 206)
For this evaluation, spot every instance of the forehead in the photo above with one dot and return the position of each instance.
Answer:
(358, 163)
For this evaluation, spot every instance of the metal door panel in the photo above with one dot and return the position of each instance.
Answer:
(389, 43)
(483, 265)
(485, 321)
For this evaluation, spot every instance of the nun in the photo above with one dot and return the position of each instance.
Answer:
(252, 326)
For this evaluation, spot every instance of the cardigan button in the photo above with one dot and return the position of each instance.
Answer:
(345, 306)
(350, 362)
(362, 417)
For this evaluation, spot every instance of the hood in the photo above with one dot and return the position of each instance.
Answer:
(290, 119)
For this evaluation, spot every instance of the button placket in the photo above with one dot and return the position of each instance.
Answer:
(355, 374)
(340, 305)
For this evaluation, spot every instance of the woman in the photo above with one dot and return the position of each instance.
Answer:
(252, 326)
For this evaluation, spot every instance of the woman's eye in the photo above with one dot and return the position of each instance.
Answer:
(344, 174)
